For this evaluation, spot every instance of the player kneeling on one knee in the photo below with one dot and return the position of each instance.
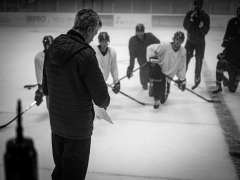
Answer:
(170, 60)
(228, 61)
(107, 59)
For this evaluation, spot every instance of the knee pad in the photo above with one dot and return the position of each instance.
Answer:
(221, 65)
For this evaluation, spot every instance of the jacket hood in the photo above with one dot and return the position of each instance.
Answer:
(65, 46)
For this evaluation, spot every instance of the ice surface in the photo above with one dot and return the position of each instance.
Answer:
(183, 140)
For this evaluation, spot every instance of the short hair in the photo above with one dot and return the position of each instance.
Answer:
(86, 18)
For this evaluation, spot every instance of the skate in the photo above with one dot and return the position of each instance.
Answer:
(156, 105)
(197, 82)
(217, 89)
(225, 81)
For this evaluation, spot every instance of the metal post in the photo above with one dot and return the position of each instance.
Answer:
(131, 7)
(18, 5)
(94, 6)
(210, 9)
(150, 8)
(4, 6)
(75, 6)
(40, 6)
(190, 6)
(112, 7)
(170, 8)
(57, 6)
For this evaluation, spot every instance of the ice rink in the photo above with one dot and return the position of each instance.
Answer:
(185, 140)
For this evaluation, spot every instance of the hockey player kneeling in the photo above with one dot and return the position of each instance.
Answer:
(168, 59)
(229, 61)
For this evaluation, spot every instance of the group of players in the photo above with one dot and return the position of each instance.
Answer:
(160, 62)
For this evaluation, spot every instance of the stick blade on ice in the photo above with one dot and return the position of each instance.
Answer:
(101, 112)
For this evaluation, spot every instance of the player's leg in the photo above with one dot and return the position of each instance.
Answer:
(234, 78)
(189, 48)
(219, 76)
(165, 90)
(200, 50)
(156, 77)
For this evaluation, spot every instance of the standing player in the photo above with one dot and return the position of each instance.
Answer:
(38, 61)
(137, 49)
(232, 28)
(229, 60)
(170, 60)
(197, 24)
(106, 57)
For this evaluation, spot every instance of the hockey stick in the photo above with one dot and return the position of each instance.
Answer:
(208, 100)
(130, 97)
(132, 72)
(30, 106)
(30, 86)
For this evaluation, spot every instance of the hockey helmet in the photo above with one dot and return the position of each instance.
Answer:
(140, 28)
(103, 36)
(179, 35)
(198, 2)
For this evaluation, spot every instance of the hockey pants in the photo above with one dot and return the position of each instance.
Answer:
(232, 73)
(160, 86)
(199, 55)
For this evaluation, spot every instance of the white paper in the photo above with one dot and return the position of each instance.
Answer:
(102, 113)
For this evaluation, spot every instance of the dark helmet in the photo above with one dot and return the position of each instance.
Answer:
(198, 2)
(103, 36)
(140, 28)
(179, 35)
(47, 40)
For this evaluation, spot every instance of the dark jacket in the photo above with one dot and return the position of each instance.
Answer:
(231, 31)
(137, 48)
(232, 52)
(73, 81)
(195, 34)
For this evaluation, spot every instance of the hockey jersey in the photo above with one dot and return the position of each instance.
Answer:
(137, 48)
(231, 31)
(171, 62)
(107, 63)
(38, 62)
(232, 52)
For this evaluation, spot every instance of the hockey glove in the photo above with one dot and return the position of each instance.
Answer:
(38, 97)
(129, 73)
(221, 56)
(116, 87)
(182, 84)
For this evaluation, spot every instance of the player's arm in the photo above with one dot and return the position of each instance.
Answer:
(187, 21)
(38, 63)
(114, 66)
(133, 55)
(153, 52)
(204, 24)
(154, 39)
(227, 35)
(114, 71)
(181, 73)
